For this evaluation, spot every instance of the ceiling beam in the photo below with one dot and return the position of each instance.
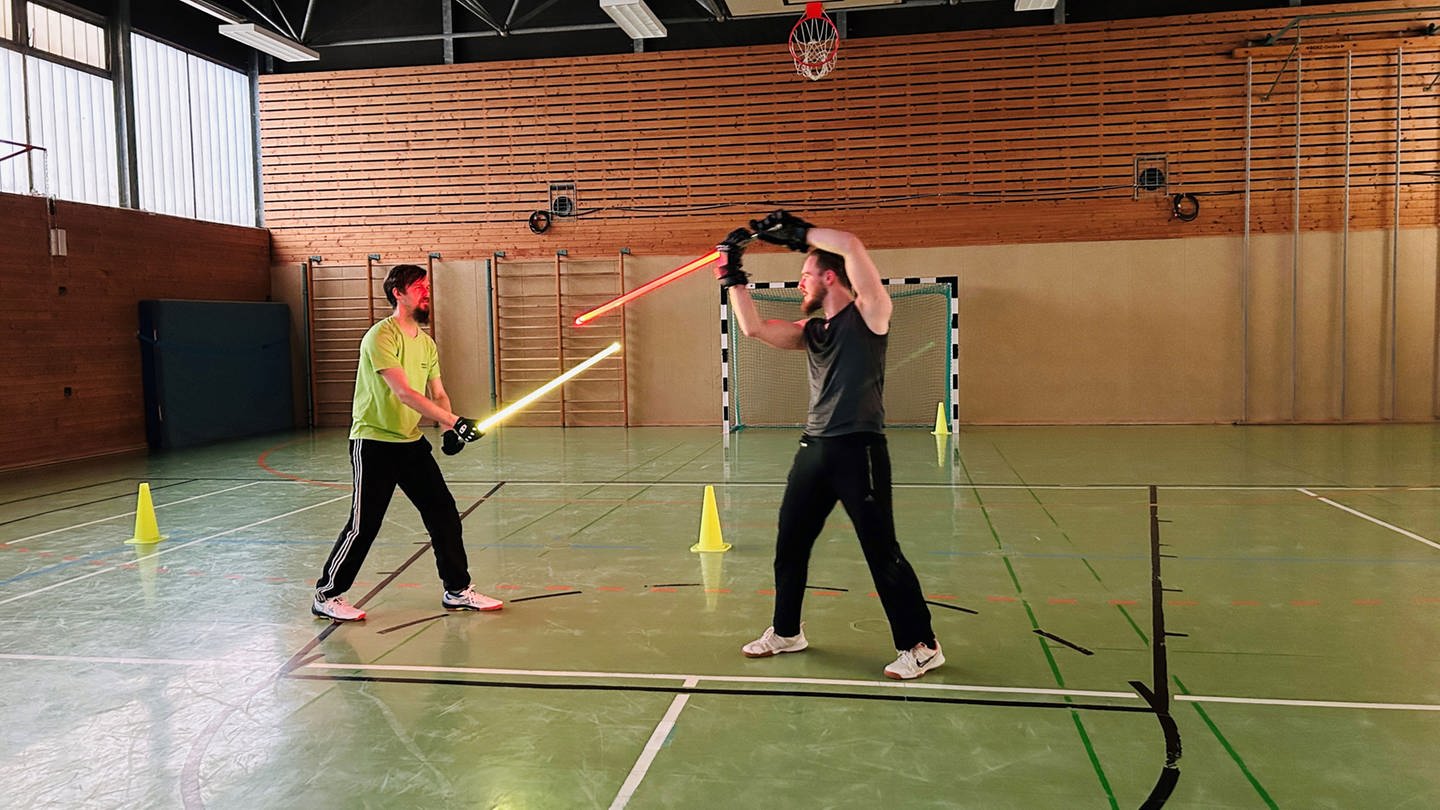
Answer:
(474, 7)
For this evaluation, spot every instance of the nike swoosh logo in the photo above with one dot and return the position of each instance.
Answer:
(920, 663)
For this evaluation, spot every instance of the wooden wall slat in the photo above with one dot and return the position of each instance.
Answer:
(982, 129)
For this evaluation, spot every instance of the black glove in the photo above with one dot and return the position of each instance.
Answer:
(784, 229)
(467, 429)
(728, 269)
(450, 443)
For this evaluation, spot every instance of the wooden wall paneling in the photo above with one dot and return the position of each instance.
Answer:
(1058, 110)
(527, 300)
(596, 397)
(342, 308)
(1017, 137)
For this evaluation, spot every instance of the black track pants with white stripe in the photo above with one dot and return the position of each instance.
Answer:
(854, 470)
(377, 468)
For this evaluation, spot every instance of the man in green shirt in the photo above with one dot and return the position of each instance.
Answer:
(398, 366)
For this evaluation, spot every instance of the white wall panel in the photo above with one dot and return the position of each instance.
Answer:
(193, 135)
(165, 165)
(72, 115)
(219, 112)
(63, 35)
(14, 172)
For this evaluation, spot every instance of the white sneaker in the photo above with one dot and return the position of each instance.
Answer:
(915, 662)
(336, 608)
(469, 599)
(770, 644)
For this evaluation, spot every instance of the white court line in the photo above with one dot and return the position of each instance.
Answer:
(1377, 521)
(173, 662)
(693, 680)
(1323, 704)
(127, 514)
(654, 676)
(958, 485)
(652, 747)
(98, 572)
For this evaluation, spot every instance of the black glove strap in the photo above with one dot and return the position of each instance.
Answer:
(734, 278)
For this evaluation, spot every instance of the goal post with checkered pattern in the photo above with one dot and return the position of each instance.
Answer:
(766, 387)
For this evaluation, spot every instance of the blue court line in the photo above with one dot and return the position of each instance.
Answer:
(57, 566)
(242, 542)
(599, 546)
(1021, 555)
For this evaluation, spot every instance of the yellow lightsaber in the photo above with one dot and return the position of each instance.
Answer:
(504, 413)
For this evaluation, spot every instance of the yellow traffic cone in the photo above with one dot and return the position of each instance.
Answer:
(942, 425)
(710, 537)
(942, 444)
(146, 530)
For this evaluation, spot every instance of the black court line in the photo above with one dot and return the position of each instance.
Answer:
(1158, 695)
(1170, 773)
(697, 690)
(190, 773)
(1160, 663)
(545, 596)
(53, 493)
(952, 607)
(1072, 645)
(825, 588)
(417, 621)
(1098, 486)
(90, 503)
(483, 499)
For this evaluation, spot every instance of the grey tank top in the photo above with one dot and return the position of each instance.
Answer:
(847, 375)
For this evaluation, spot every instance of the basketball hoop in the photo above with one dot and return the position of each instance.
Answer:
(813, 42)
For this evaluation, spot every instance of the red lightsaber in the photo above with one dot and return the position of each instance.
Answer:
(649, 286)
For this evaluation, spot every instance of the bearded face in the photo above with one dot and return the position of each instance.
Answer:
(422, 312)
(814, 298)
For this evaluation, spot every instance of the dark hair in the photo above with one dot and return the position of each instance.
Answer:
(834, 262)
(400, 278)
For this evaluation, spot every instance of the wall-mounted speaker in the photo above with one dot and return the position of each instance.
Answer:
(1152, 175)
(562, 199)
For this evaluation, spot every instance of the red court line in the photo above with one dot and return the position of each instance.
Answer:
(260, 461)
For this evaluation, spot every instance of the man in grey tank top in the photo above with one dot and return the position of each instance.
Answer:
(842, 456)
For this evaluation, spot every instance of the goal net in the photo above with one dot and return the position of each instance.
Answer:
(767, 387)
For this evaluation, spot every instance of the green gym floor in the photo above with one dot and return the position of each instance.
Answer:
(1299, 610)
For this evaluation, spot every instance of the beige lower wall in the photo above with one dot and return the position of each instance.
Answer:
(461, 295)
(1078, 333)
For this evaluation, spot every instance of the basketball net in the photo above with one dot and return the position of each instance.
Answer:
(813, 42)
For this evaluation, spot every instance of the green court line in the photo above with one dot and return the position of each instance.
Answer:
(599, 486)
(1014, 578)
(1063, 533)
(643, 487)
(1133, 625)
(1044, 647)
(1094, 760)
(979, 501)
(1235, 755)
(1034, 495)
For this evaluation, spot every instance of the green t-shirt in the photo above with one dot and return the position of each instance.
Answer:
(377, 413)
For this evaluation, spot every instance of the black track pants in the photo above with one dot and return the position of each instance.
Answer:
(377, 468)
(854, 470)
